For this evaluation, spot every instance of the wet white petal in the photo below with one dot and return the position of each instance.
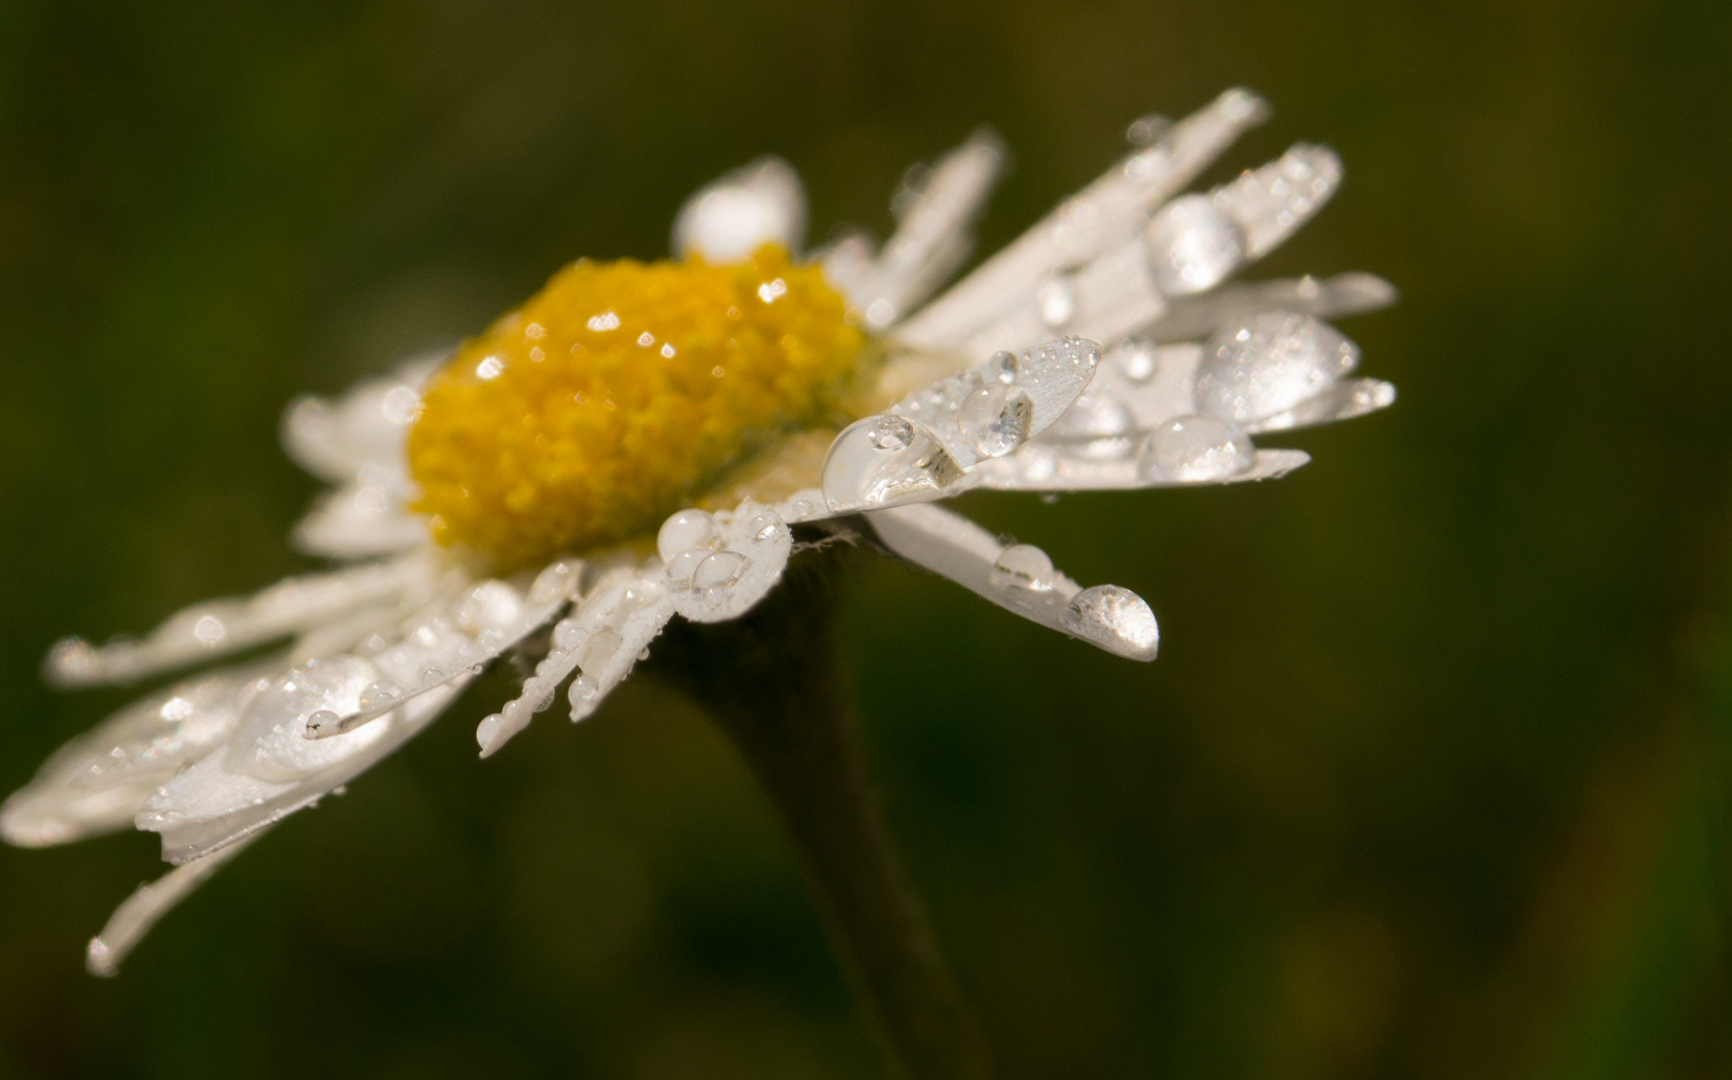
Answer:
(365, 429)
(1018, 577)
(359, 520)
(1200, 316)
(217, 627)
(1269, 364)
(140, 911)
(97, 782)
(731, 218)
(1042, 467)
(737, 567)
(1100, 218)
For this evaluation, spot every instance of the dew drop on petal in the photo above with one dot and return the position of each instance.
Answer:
(1023, 567)
(1114, 618)
(1195, 449)
(686, 529)
(554, 582)
(380, 694)
(764, 527)
(884, 460)
(1193, 245)
(567, 634)
(1137, 360)
(994, 420)
(680, 567)
(1056, 302)
(599, 649)
(582, 695)
(720, 570)
(1266, 364)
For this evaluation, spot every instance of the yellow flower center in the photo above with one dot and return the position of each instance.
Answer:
(616, 394)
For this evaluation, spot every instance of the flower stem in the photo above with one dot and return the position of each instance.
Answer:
(772, 682)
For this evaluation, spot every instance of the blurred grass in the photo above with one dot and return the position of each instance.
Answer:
(1431, 778)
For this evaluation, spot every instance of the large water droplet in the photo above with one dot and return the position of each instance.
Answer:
(1269, 363)
(994, 420)
(885, 460)
(1195, 449)
(1116, 619)
(1193, 245)
(684, 530)
(1056, 302)
(382, 693)
(1024, 568)
(719, 570)
(598, 650)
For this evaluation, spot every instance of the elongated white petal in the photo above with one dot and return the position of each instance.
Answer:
(365, 429)
(932, 237)
(622, 602)
(1019, 578)
(268, 769)
(360, 520)
(1199, 316)
(475, 625)
(729, 219)
(139, 912)
(218, 627)
(1043, 467)
(97, 782)
(1101, 217)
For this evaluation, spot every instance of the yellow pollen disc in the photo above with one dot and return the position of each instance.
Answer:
(614, 395)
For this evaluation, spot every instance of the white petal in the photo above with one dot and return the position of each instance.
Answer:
(217, 801)
(623, 602)
(140, 911)
(97, 782)
(364, 429)
(1343, 294)
(726, 577)
(362, 519)
(732, 217)
(1101, 217)
(217, 627)
(932, 238)
(1043, 467)
(1019, 578)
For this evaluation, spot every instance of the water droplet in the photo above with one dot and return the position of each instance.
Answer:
(432, 673)
(382, 693)
(1137, 360)
(1114, 618)
(553, 583)
(1193, 245)
(680, 568)
(322, 720)
(1148, 130)
(764, 527)
(1195, 449)
(1001, 366)
(719, 570)
(567, 634)
(1269, 363)
(994, 420)
(1055, 301)
(209, 630)
(640, 595)
(1023, 567)
(583, 695)
(598, 650)
(885, 460)
(686, 529)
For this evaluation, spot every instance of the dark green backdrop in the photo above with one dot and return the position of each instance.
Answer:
(1429, 780)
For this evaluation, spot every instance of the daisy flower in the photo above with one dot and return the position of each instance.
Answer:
(640, 441)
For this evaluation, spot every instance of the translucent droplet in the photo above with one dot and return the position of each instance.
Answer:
(566, 634)
(555, 582)
(1137, 360)
(583, 695)
(640, 595)
(1195, 449)
(764, 527)
(598, 650)
(432, 673)
(209, 630)
(271, 743)
(1055, 301)
(1001, 366)
(1193, 245)
(885, 460)
(322, 720)
(686, 529)
(994, 420)
(680, 568)
(1114, 618)
(1269, 363)
(1023, 567)
(382, 693)
(720, 570)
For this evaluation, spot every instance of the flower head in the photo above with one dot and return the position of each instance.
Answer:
(639, 441)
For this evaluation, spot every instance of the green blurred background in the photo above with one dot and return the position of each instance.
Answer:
(1429, 781)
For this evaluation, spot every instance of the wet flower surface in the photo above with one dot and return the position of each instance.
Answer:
(640, 442)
